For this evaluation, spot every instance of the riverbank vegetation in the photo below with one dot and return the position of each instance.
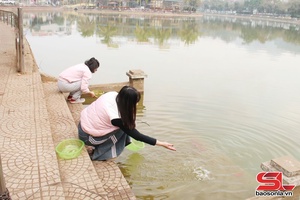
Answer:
(266, 7)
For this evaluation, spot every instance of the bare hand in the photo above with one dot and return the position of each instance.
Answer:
(166, 145)
(93, 94)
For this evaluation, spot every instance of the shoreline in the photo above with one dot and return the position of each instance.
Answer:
(148, 13)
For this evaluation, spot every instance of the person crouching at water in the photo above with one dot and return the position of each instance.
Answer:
(75, 80)
(108, 123)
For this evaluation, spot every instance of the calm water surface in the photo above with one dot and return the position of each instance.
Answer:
(224, 91)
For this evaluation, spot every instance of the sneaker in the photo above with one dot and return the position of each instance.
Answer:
(69, 98)
(80, 100)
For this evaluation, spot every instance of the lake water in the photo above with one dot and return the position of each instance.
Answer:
(224, 91)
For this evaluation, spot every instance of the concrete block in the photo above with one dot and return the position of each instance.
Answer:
(136, 74)
(288, 165)
(294, 180)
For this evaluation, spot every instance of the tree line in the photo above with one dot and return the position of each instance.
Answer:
(273, 7)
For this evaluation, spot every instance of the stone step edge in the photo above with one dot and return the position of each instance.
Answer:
(60, 118)
(267, 166)
(31, 65)
(288, 165)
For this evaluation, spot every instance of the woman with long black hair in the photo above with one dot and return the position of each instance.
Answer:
(108, 123)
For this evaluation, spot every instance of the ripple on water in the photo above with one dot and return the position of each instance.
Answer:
(202, 173)
(217, 142)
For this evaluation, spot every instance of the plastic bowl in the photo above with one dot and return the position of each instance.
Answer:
(135, 145)
(69, 148)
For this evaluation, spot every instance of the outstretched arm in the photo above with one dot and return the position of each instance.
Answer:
(134, 132)
(141, 137)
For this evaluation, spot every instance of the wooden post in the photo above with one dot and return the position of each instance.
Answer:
(11, 20)
(17, 46)
(2, 182)
(6, 18)
(4, 194)
(21, 45)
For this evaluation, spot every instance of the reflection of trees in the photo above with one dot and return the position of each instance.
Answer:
(291, 36)
(107, 32)
(36, 23)
(58, 19)
(161, 35)
(71, 18)
(258, 33)
(86, 26)
(249, 31)
(40, 19)
(227, 31)
(142, 34)
(188, 29)
(189, 33)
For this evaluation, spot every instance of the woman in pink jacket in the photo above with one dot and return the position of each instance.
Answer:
(75, 80)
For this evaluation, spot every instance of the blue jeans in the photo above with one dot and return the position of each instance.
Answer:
(107, 146)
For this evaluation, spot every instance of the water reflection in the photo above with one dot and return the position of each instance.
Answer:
(160, 30)
(86, 26)
(107, 32)
(142, 34)
(189, 32)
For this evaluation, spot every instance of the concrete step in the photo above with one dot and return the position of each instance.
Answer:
(79, 178)
(90, 179)
(31, 170)
(26, 146)
(288, 165)
(34, 119)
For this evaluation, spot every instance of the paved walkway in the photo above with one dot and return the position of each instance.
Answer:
(35, 117)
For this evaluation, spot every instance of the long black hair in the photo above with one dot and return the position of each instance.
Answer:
(126, 100)
(92, 63)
